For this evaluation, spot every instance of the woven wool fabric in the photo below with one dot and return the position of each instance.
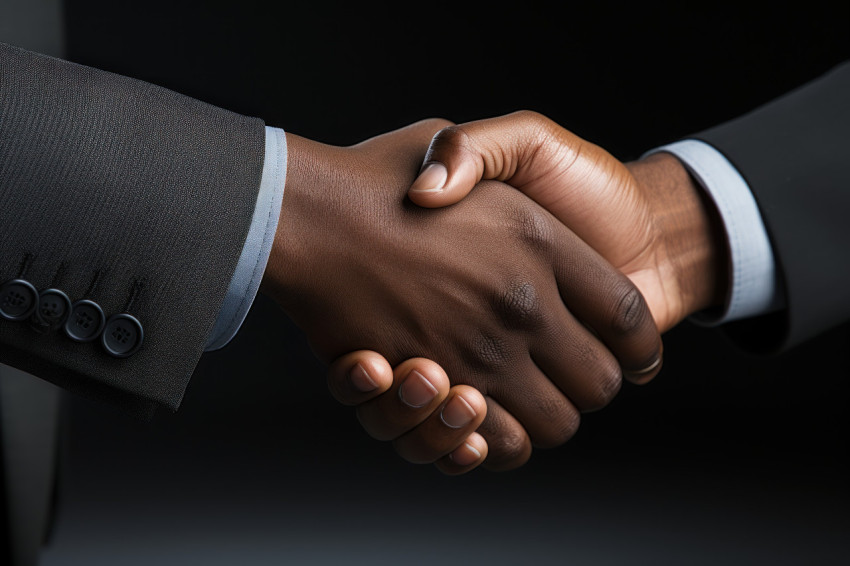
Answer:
(130, 195)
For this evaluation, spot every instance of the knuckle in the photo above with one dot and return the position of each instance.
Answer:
(509, 450)
(519, 305)
(534, 227)
(598, 376)
(532, 118)
(488, 355)
(453, 137)
(539, 127)
(605, 387)
(630, 312)
(437, 123)
(570, 426)
(527, 115)
(562, 424)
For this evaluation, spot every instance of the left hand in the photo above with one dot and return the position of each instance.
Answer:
(366, 379)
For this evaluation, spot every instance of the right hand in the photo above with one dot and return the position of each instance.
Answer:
(505, 298)
(647, 217)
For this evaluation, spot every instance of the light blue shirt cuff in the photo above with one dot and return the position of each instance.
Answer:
(755, 288)
(255, 253)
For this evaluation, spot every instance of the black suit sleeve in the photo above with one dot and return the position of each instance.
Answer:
(794, 154)
(128, 195)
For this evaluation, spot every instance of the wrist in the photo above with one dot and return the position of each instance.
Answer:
(694, 258)
(287, 264)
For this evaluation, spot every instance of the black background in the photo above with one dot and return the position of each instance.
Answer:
(724, 457)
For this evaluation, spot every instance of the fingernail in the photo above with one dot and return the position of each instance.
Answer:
(465, 455)
(360, 379)
(416, 391)
(431, 179)
(457, 412)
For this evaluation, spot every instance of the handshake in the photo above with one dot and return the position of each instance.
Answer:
(475, 288)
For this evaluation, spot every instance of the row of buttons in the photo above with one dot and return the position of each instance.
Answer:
(83, 321)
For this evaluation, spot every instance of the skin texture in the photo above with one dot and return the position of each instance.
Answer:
(498, 292)
(658, 227)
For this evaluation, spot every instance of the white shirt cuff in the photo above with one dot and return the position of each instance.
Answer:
(755, 288)
(255, 253)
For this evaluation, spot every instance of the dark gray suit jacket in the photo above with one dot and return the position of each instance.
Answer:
(126, 194)
(139, 199)
(794, 153)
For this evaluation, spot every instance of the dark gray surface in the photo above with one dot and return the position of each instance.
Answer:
(263, 467)
(30, 421)
(30, 414)
(33, 24)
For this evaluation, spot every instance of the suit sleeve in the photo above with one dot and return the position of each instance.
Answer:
(793, 153)
(130, 202)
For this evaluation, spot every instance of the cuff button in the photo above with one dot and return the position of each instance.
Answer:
(122, 336)
(85, 322)
(53, 307)
(18, 299)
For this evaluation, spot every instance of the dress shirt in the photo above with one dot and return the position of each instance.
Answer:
(255, 254)
(755, 287)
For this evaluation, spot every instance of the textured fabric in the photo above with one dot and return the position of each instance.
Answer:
(127, 194)
(755, 289)
(258, 245)
(793, 153)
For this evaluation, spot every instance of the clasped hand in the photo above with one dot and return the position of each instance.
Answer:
(530, 325)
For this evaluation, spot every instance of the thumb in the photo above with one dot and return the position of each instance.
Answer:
(450, 171)
(506, 148)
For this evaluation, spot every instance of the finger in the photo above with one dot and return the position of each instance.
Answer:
(359, 376)
(445, 429)
(647, 374)
(608, 303)
(576, 361)
(539, 405)
(509, 445)
(466, 457)
(514, 148)
(419, 386)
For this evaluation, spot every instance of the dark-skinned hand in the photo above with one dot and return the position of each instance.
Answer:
(647, 217)
(498, 292)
